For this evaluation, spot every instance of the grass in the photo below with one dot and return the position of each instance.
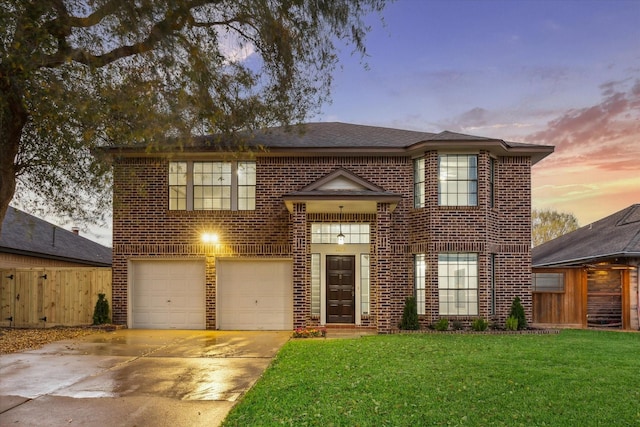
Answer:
(575, 378)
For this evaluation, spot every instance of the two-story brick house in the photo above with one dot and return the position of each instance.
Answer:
(336, 225)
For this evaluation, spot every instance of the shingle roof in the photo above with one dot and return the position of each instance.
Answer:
(337, 135)
(615, 236)
(25, 234)
(344, 137)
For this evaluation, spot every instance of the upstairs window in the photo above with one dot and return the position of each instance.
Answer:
(178, 186)
(246, 186)
(212, 185)
(458, 180)
(492, 183)
(418, 183)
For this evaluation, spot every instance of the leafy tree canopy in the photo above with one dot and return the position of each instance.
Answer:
(80, 74)
(547, 225)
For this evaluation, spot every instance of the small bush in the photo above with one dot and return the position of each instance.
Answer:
(410, 315)
(511, 324)
(517, 311)
(101, 311)
(442, 325)
(457, 325)
(479, 324)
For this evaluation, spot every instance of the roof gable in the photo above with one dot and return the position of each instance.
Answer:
(341, 188)
(342, 180)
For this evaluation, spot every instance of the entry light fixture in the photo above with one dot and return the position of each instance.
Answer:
(209, 238)
(341, 236)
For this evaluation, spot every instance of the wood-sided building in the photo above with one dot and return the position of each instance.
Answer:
(589, 278)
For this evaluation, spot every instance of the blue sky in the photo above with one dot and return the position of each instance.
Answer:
(557, 72)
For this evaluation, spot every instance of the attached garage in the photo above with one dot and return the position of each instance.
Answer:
(254, 294)
(167, 294)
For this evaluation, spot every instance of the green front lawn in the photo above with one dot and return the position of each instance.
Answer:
(575, 378)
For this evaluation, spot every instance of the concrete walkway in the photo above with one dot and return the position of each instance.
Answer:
(134, 378)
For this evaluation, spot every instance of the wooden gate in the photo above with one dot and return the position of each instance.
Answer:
(51, 296)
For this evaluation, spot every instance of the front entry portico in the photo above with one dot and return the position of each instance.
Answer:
(335, 275)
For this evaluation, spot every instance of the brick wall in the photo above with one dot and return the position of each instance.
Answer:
(144, 228)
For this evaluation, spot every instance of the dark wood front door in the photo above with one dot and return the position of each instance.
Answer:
(340, 288)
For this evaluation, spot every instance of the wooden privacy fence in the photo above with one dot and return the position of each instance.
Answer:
(52, 296)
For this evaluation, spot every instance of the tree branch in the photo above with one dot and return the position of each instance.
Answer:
(174, 20)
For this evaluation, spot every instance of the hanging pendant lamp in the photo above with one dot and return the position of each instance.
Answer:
(341, 236)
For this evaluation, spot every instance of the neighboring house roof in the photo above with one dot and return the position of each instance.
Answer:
(24, 234)
(335, 136)
(615, 236)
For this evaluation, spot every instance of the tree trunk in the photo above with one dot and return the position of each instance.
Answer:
(13, 118)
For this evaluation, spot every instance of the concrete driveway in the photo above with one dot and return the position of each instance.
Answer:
(134, 378)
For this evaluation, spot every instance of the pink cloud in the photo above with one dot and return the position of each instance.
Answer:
(605, 123)
(603, 136)
(595, 168)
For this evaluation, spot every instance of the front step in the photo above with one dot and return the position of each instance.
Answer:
(335, 330)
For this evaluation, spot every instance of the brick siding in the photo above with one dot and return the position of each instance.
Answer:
(143, 227)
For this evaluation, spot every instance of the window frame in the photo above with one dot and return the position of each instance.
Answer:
(419, 183)
(464, 179)
(365, 285)
(467, 290)
(178, 182)
(561, 275)
(236, 200)
(214, 177)
(316, 284)
(420, 282)
(492, 182)
(493, 266)
(327, 232)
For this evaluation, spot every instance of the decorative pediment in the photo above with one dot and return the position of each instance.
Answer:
(341, 188)
(341, 180)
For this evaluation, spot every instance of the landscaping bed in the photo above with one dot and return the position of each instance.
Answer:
(13, 340)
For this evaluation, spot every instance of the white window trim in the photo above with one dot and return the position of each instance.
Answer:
(463, 289)
(477, 179)
(420, 285)
(190, 185)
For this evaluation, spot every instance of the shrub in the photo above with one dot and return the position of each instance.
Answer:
(309, 332)
(101, 311)
(517, 311)
(511, 324)
(442, 325)
(457, 325)
(410, 315)
(479, 324)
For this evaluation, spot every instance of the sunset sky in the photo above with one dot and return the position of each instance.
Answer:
(554, 72)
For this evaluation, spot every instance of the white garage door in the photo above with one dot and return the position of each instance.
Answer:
(168, 294)
(254, 294)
